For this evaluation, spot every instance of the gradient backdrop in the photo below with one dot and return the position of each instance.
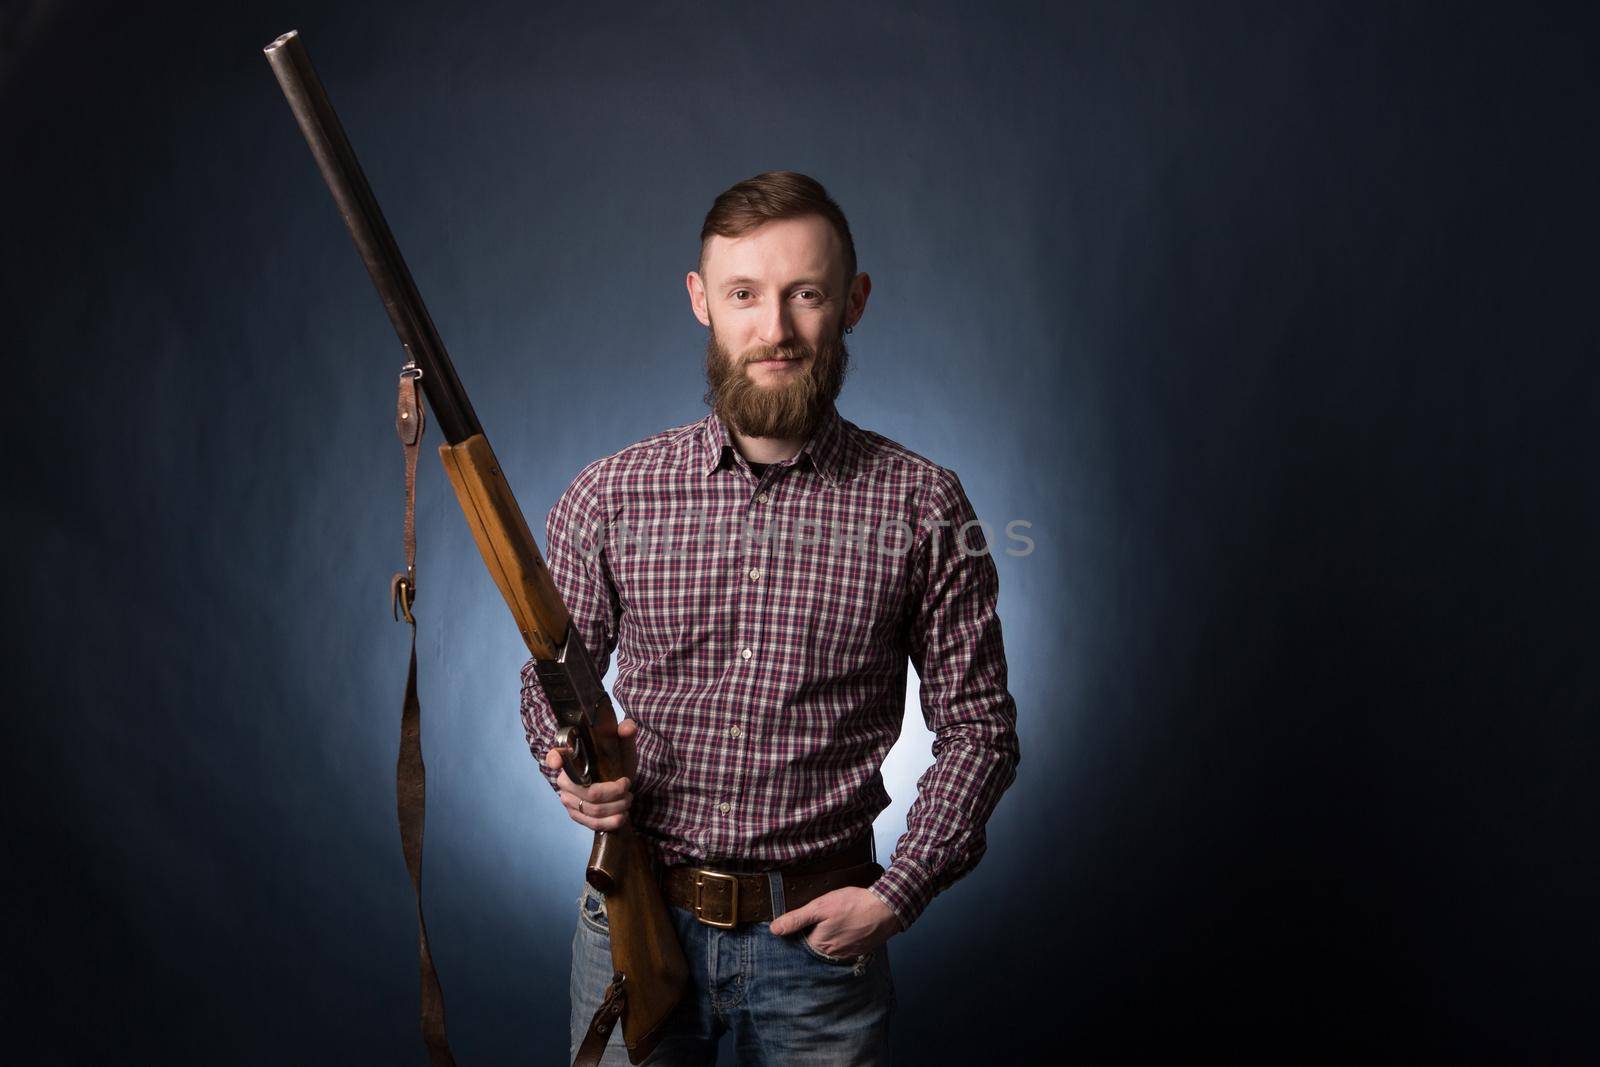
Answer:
(1275, 321)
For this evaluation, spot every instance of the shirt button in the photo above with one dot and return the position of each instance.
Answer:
(735, 733)
(755, 573)
(746, 653)
(723, 807)
(761, 498)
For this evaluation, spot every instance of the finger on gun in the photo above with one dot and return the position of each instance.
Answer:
(612, 790)
(601, 809)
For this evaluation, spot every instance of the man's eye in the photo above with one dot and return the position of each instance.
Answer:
(811, 296)
(742, 294)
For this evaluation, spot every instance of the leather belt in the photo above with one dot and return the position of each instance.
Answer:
(725, 899)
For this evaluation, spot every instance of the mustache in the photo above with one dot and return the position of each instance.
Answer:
(780, 352)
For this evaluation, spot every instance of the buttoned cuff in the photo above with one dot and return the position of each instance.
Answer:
(906, 888)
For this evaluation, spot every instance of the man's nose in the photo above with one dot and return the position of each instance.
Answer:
(777, 325)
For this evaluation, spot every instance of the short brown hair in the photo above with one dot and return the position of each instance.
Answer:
(777, 194)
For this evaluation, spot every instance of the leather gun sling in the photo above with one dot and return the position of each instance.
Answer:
(605, 1018)
(410, 775)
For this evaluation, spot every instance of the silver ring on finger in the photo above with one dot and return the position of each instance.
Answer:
(580, 808)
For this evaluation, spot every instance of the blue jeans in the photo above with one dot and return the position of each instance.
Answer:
(785, 1002)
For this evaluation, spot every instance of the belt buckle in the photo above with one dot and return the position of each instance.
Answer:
(700, 877)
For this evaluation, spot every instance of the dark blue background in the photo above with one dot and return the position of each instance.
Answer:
(1274, 319)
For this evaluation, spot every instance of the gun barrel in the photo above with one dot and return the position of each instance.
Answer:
(452, 410)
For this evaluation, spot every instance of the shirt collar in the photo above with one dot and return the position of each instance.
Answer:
(825, 446)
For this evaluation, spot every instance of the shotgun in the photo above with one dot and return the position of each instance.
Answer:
(650, 971)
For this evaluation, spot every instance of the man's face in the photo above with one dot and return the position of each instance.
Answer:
(776, 302)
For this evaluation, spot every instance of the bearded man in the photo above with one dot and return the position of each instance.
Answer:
(764, 575)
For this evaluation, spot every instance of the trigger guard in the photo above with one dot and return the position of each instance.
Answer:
(579, 766)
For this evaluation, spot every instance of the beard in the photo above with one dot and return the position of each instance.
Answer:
(786, 409)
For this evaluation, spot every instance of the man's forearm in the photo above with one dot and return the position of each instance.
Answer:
(945, 828)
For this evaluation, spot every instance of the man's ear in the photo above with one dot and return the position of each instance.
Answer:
(697, 297)
(856, 302)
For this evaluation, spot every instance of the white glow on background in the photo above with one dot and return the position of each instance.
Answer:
(911, 755)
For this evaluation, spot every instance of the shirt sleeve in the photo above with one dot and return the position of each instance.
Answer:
(956, 648)
(575, 533)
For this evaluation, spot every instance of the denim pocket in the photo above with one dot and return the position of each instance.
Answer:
(837, 961)
(591, 912)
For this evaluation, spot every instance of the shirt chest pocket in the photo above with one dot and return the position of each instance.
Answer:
(675, 586)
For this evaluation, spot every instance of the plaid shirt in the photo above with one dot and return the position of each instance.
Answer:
(762, 627)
